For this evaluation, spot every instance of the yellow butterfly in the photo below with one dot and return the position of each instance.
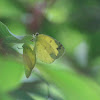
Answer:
(45, 49)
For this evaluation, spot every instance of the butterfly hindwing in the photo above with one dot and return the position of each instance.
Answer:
(29, 58)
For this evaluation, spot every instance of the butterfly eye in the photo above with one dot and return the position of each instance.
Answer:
(36, 34)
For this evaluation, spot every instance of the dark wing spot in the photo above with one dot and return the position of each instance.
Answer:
(50, 41)
(59, 47)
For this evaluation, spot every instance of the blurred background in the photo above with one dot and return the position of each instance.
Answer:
(75, 75)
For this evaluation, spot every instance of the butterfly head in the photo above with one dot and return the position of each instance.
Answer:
(35, 34)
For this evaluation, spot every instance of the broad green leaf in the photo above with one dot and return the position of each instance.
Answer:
(4, 31)
(39, 88)
(6, 34)
(9, 37)
(11, 72)
(21, 95)
(20, 39)
(72, 85)
(4, 96)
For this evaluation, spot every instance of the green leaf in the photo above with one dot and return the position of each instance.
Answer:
(72, 85)
(4, 96)
(6, 34)
(21, 95)
(11, 73)
(4, 31)
(9, 37)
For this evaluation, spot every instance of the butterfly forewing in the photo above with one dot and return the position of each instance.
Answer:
(44, 52)
(48, 49)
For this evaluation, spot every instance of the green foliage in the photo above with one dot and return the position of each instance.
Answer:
(10, 73)
(5, 97)
(76, 75)
(6, 7)
(9, 37)
(20, 30)
(72, 85)
(4, 31)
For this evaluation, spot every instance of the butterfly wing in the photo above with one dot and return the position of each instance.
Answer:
(48, 49)
(29, 58)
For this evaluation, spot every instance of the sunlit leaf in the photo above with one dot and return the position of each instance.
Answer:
(73, 86)
(4, 96)
(9, 37)
(4, 31)
(10, 73)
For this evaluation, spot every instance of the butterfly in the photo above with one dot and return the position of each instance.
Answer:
(45, 48)
(38, 46)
